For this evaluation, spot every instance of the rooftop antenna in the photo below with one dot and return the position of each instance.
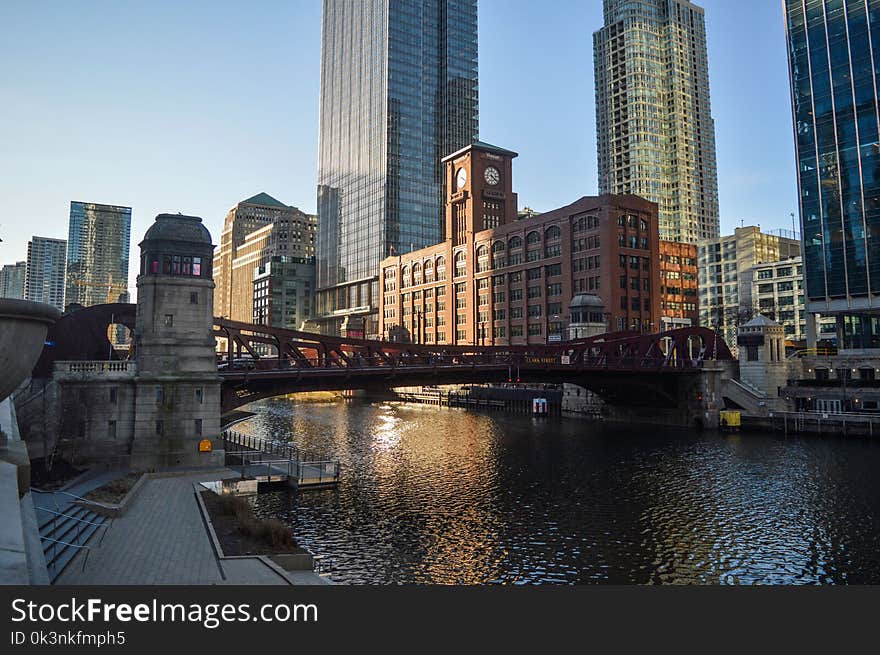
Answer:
(793, 228)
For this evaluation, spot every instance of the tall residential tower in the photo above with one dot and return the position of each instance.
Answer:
(655, 132)
(398, 93)
(12, 280)
(834, 55)
(46, 263)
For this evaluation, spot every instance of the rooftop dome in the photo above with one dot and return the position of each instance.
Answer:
(177, 227)
(586, 300)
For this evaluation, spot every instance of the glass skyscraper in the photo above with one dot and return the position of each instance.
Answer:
(654, 126)
(97, 254)
(398, 93)
(834, 54)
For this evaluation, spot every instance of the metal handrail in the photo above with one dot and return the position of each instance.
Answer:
(69, 516)
(65, 493)
(65, 543)
(57, 513)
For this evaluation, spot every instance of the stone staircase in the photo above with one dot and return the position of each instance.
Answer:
(64, 534)
(65, 528)
(751, 400)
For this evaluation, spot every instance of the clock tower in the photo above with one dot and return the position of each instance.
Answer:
(479, 182)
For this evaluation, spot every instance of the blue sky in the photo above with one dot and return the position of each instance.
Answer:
(171, 106)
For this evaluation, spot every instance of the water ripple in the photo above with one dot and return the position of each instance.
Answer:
(444, 496)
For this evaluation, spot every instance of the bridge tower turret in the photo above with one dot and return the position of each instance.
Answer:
(177, 399)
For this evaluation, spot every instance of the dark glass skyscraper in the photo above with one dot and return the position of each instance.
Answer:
(398, 93)
(97, 254)
(834, 54)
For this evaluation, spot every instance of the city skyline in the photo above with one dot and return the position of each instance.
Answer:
(191, 125)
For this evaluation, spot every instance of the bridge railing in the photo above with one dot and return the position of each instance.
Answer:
(405, 360)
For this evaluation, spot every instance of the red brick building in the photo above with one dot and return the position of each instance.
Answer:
(678, 285)
(497, 280)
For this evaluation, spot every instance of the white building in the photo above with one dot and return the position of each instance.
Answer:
(778, 293)
(725, 275)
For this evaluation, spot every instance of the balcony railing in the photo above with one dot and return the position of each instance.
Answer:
(98, 367)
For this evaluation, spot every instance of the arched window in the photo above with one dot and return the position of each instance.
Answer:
(552, 232)
(460, 263)
(417, 273)
(441, 268)
(533, 237)
(482, 259)
(404, 277)
(429, 271)
(515, 242)
(498, 246)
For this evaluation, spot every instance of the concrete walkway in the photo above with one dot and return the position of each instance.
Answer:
(162, 540)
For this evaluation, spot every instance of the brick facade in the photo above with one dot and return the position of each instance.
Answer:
(497, 280)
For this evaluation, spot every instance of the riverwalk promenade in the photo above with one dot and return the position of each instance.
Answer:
(162, 539)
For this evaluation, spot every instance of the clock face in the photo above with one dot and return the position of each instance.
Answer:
(492, 175)
(460, 178)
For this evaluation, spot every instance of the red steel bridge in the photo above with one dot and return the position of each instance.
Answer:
(656, 370)
(670, 370)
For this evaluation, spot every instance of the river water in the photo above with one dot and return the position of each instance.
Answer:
(440, 495)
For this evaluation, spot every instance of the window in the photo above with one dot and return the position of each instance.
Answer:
(113, 396)
(198, 427)
(169, 320)
(533, 237)
(536, 329)
(516, 330)
(516, 312)
(160, 428)
(534, 292)
(199, 395)
(765, 274)
(194, 298)
(552, 232)
(111, 429)
(515, 242)
(535, 311)
(460, 264)
(160, 395)
(482, 259)
(515, 295)
(533, 274)
(554, 289)
(554, 270)
(441, 268)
